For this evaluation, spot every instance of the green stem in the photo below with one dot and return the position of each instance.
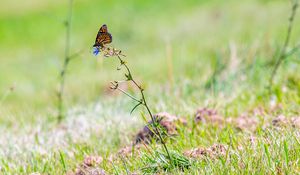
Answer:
(147, 107)
(66, 63)
(283, 55)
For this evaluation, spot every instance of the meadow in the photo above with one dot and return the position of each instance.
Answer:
(205, 64)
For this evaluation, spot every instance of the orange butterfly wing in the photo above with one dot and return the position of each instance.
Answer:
(103, 29)
(103, 37)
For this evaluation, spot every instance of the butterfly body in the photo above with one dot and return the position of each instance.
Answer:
(103, 37)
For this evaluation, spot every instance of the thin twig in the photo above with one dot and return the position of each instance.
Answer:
(283, 55)
(294, 50)
(75, 55)
(124, 92)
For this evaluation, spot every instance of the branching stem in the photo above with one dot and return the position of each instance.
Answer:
(145, 104)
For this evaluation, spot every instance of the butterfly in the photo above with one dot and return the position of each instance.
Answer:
(103, 37)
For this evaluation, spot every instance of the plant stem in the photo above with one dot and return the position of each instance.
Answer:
(130, 96)
(65, 65)
(283, 55)
(144, 103)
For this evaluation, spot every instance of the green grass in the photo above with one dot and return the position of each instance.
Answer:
(187, 54)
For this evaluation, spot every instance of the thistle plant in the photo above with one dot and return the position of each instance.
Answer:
(112, 52)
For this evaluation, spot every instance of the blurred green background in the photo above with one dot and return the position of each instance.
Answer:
(216, 54)
(169, 43)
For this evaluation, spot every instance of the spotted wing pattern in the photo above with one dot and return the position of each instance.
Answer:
(103, 37)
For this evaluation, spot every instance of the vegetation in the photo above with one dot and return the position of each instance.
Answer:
(208, 62)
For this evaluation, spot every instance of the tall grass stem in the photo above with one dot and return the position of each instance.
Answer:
(67, 59)
(283, 54)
